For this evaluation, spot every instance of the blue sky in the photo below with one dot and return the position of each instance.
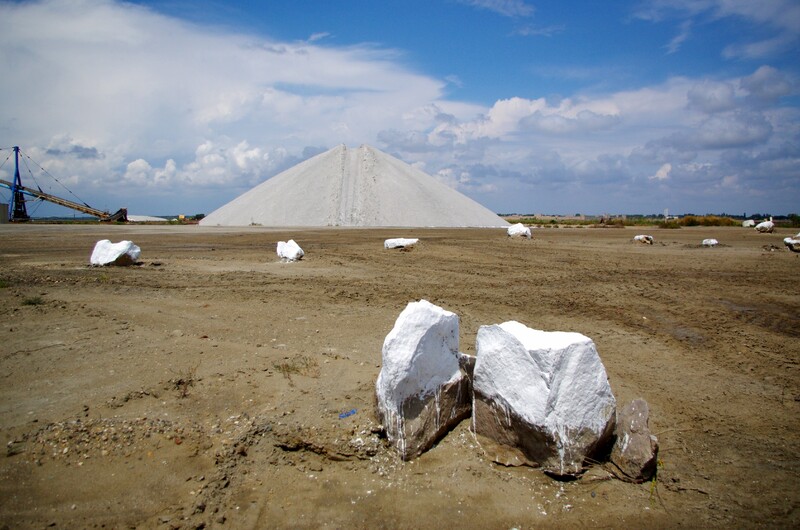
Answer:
(532, 107)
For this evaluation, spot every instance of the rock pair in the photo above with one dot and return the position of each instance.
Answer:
(535, 397)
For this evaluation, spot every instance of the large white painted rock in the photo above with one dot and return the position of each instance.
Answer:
(765, 227)
(289, 250)
(519, 230)
(400, 242)
(107, 253)
(792, 244)
(541, 398)
(421, 390)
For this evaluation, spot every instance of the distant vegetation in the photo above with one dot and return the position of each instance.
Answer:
(619, 221)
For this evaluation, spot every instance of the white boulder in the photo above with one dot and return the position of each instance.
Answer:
(792, 244)
(541, 398)
(421, 390)
(519, 230)
(710, 242)
(400, 242)
(290, 251)
(765, 227)
(107, 253)
(647, 240)
(748, 223)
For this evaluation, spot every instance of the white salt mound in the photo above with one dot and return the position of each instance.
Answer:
(710, 242)
(144, 219)
(519, 230)
(289, 250)
(353, 187)
(107, 253)
(400, 242)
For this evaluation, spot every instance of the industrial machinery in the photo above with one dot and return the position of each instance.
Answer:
(19, 212)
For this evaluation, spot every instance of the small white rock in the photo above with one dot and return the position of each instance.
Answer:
(400, 242)
(519, 230)
(289, 250)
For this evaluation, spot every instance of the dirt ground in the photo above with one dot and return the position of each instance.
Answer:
(210, 385)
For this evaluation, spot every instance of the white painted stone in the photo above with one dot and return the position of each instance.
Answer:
(792, 244)
(765, 226)
(421, 391)
(710, 242)
(642, 238)
(107, 253)
(519, 230)
(289, 250)
(543, 394)
(400, 242)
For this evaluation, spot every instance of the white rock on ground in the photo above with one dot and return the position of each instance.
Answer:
(421, 390)
(765, 227)
(710, 242)
(400, 242)
(748, 223)
(519, 230)
(541, 398)
(289, 250)
(642, 238)
(107, 253)
(792, 244)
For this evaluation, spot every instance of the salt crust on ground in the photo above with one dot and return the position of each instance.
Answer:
(105, 253)
(353, 187)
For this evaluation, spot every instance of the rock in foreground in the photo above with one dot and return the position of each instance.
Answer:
(421, 391)
(541, 398)
(635, 451)
(107, 253)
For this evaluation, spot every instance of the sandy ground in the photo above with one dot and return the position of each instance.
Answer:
(205, 386)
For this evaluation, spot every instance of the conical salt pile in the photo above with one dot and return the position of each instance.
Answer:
(353, 187)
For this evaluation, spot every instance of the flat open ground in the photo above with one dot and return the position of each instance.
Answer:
(205, 386)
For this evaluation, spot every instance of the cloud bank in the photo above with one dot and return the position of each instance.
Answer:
(133, 108)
